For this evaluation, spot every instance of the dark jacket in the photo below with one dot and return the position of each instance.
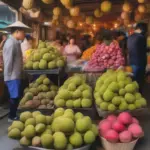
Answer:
(137, 49)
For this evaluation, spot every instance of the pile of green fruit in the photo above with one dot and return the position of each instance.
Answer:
(64, 130)
(74, 93)
(115, 90)
(40, 94)
(45, 57)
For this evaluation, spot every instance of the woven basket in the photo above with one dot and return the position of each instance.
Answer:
(118, 146)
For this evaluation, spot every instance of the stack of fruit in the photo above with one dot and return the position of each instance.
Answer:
(87, 54)
(40, 94)
(45, 57)
(75, 93)
(123, 128)
(116, 91)
(64, 130)
(106, 57)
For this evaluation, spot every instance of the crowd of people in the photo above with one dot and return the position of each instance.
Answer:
(133, 49)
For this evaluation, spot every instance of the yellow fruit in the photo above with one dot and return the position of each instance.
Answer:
(126, 7)
(57, 11)
(66, 2)
(106, 6)
(98, 13)
(75, 11)
(48, 1)
(27, 4)
(141, 1)
(141, 8)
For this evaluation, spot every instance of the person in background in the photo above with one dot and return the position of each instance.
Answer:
(122, 40)
(30, 41)
(138, 53)
(72, 51)
(86, 42)
(13, 65)
(3, 39)
(26, 45)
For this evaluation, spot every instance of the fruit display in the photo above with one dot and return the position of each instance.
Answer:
(64, 130)
(40, 94)
(75, 93)
(105, 57)
(106, 6)
(48, 1)
(27, 4)
(115, 91)
(87, 54)
(45, 57)
(120, 129)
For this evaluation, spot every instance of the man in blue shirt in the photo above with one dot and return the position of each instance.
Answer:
(137, 52)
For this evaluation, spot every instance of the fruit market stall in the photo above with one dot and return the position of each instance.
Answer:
(102, 100)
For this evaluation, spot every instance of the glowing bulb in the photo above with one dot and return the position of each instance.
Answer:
(94, 25)
(81, 24)
(115, 25)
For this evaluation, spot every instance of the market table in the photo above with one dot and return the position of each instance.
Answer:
(57, 72)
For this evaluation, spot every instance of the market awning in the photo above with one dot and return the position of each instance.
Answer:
(4, 24)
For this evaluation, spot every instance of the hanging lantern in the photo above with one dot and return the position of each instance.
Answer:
(75, 11)
(98, 13)
(89, 20)
(28, 4)
(124, 15)
(48, 1)
(57, 11)
(66, 2)
(141, 1)
(126, 7)
(106, 6)
(142, 8)
(71, 24)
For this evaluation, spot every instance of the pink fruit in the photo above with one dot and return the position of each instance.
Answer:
(134, 120)
(125, 118)
(136, 130)
(118, 126)
(102, 133)
(112, 136)
(112, 118)
(105, 125)
(125, 136)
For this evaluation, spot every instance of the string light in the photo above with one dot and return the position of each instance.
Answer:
(115, 25)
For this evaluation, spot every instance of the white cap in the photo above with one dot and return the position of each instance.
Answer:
(19, 25)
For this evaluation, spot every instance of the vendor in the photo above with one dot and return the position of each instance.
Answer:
(138, 53)
(13, 65)
(72, 51)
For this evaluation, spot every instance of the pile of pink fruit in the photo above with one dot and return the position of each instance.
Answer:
(120, 129)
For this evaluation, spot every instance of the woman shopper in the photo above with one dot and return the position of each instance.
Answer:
(72, 51)
(13, 64)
